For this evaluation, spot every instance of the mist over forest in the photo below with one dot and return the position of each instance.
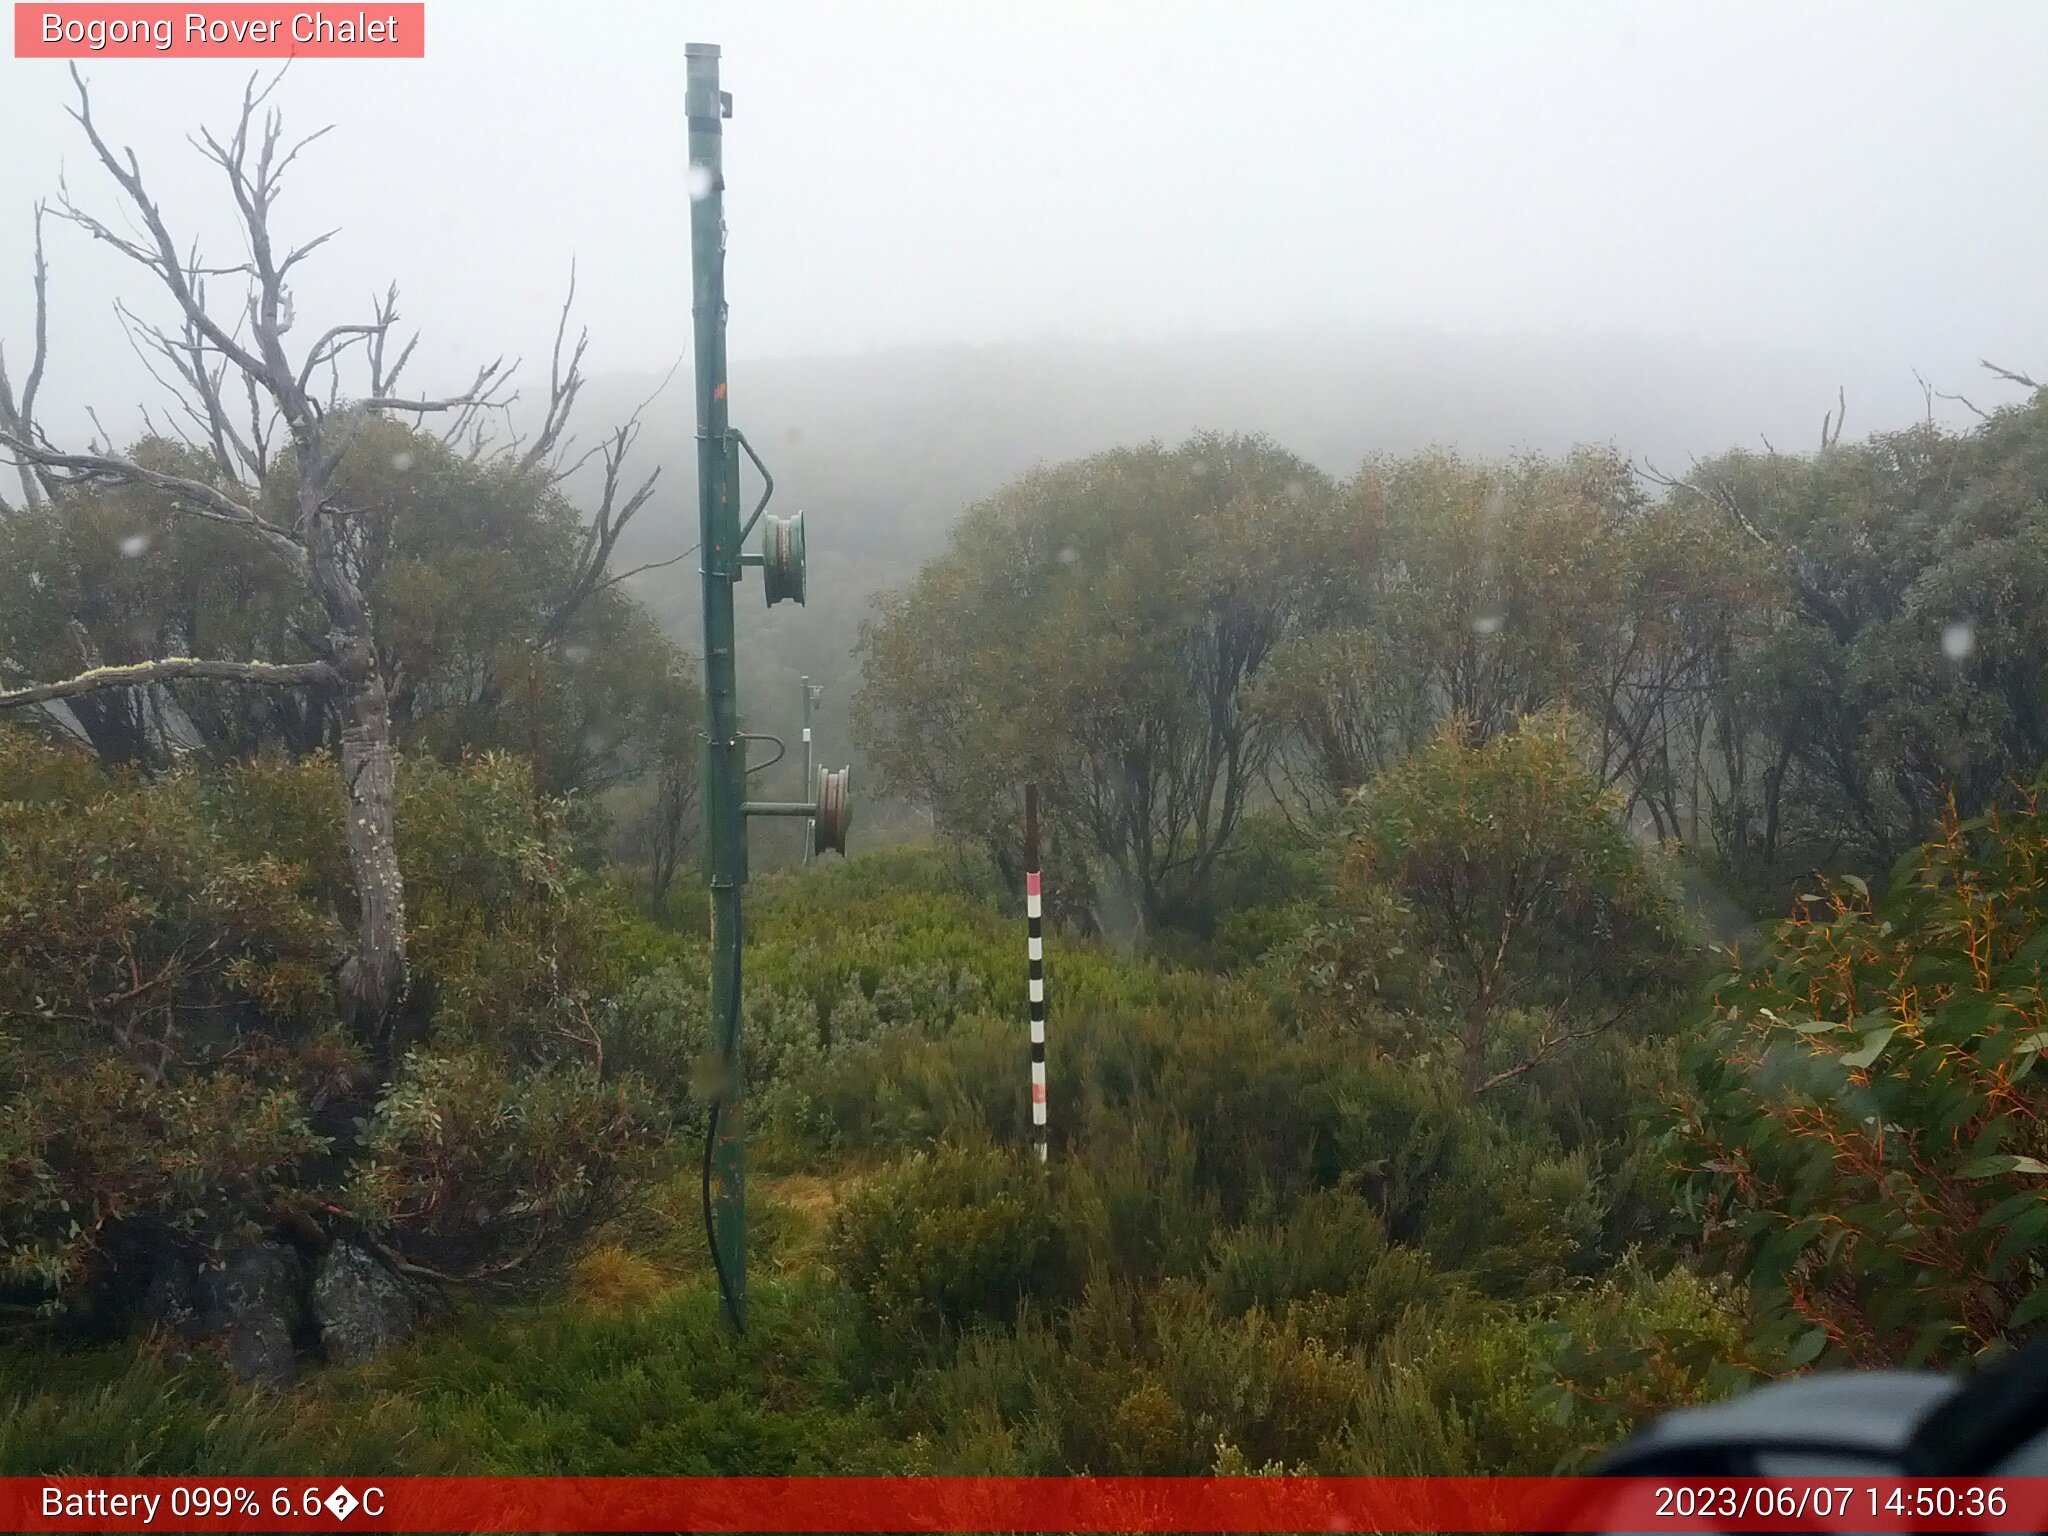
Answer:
(1446, 694)
(883, 450)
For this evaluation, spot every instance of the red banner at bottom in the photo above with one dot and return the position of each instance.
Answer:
(1021, 1504)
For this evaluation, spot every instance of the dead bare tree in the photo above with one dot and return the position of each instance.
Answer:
(17, 416)
(592, 573)
(213, 359)
(2011, 375)
(1831, 421)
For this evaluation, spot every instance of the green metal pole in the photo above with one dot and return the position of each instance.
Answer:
(724, 792)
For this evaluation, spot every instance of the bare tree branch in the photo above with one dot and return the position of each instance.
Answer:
(337, 340)
(1841, 411)
(170, 669)
(1965, 402)
(384, 381)
(652, 565)
(34, 381)
(259, 430)
(564, 384)
(197, 496)
(601, 535)
(2010, 375)
(20, 418)
(197, 392)
(1549, 1043)
(477, 396)
(161, 254)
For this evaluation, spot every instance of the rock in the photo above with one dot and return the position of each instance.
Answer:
(362, 1308)
(260, 1350)
(251, 1304)
(168, 1302)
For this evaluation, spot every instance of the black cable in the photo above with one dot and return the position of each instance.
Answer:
(781, 750)
(731, 1053)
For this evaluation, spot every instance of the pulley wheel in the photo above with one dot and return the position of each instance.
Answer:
(834, 811)
(782, 559)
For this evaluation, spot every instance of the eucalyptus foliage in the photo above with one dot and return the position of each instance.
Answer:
(1863, 1138)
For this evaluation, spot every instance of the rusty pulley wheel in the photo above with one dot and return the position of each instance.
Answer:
(828, 830)
(782, 559)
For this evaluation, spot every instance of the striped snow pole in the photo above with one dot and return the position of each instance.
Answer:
(1034, 919)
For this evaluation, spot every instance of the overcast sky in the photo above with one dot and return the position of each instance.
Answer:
(1867, 173)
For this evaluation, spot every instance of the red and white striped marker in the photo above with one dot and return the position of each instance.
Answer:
(1035, 943)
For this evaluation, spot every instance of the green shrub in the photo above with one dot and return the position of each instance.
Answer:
(1863, 1136)
(1137, 1204)
(1517, 1225)
(1149, 1382)
(175, 1076)
(1492, 894)
(1326, 1243)
(653, 1390)
(165, 1024)
(947, 1240)
(479, 1170)
(1466, 1389)
(1397, 1282)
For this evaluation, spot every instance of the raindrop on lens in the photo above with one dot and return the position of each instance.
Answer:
(576, 655)
(1199, 468)
(135, 544)
(1069, 555)
(1486, 624)
(401, 461)
(1294, 490)
(1959, 640)
(698, 181)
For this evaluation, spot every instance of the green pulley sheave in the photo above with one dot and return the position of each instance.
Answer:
(782, 559)
(828, 829)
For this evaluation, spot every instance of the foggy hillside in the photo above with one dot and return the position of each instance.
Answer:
(882, 452)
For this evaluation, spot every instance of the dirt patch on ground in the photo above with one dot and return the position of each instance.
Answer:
(811, 1195)
(804, 1205)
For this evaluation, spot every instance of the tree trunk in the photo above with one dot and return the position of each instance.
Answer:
(374, 975)
(1472, 1040)
(373, 978)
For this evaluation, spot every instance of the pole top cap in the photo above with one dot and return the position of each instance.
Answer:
(700, 50)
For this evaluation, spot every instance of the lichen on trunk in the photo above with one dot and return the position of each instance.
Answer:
(373, 978)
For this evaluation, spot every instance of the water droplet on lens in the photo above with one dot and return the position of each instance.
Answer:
(1486, 624)
(135, 544)
(401, 462)
(698, 180)
(1959, 640)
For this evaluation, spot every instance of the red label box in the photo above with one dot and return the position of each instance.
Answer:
(239, 31)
